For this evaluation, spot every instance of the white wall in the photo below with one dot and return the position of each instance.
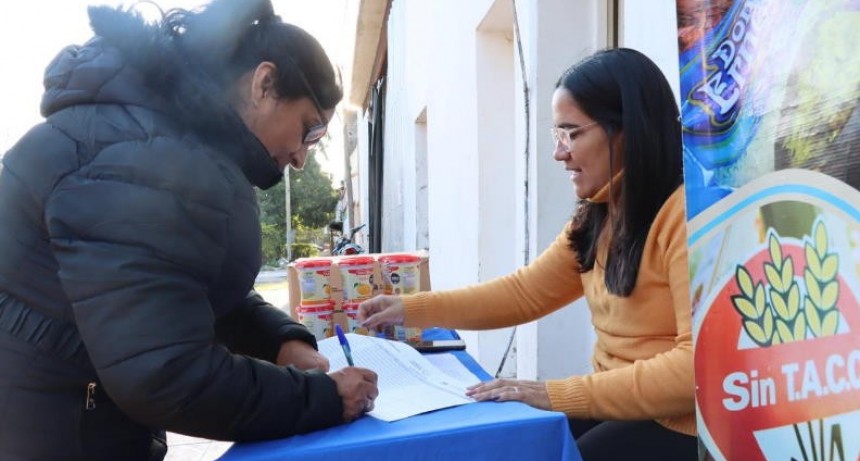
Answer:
(651, 27)
(422, 186)
(452, 112)
(362, 154)
(497, 159)
(457, 61)
(405, 104)
(396, 152)
(556, 34)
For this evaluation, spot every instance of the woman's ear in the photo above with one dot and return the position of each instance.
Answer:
(263, 82)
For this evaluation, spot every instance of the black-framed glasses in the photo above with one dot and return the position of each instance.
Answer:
(567, 136)
(312, 135)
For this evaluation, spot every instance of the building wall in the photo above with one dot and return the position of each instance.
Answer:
(361, 186)
(498, 155)
(456, 112)
(651, 27)
(555, 34)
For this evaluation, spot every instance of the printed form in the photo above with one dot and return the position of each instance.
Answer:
(408, 383)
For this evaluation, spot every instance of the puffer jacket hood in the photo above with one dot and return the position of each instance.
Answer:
(94, 74)
(124, 65)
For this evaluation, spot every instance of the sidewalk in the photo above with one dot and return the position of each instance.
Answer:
(185, 448)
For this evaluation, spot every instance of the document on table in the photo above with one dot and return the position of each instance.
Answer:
(448, 363)
(408, 383)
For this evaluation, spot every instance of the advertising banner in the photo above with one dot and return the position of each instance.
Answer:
(770, 108)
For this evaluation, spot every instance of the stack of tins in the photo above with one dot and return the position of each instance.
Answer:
(317, 307)
(400, 276)
(356, 274)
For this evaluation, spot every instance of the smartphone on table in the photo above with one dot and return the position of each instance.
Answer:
(439, 345)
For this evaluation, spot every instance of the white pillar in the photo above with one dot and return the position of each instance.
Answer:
(555, 34)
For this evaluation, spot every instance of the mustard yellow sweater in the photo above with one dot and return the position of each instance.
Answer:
(643, 359)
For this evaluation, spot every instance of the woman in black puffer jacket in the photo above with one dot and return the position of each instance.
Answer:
(129, 241)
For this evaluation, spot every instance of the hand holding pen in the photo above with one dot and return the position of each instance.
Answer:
(356, 386)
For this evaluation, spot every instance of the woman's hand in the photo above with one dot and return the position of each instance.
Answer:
(357, 388)
(502, 390)
(302, 356)
(383, 310)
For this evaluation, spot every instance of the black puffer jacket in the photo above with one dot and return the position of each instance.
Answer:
(128, 249)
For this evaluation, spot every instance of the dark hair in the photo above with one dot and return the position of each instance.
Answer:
(624, 91)
(194, 58)
(259, 37)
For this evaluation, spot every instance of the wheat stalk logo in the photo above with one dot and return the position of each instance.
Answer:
(784, 295)
(822, 288)
(753, 307)
(777, 313)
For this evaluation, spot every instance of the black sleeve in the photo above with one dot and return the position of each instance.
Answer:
(258, 329)
(133, 261)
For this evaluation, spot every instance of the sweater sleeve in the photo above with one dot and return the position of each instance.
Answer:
(545, 285)
(657, 387)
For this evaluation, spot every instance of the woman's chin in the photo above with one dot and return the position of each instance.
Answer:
(581, 193)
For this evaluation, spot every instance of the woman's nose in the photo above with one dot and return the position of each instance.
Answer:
(560, 153)
(300, 157)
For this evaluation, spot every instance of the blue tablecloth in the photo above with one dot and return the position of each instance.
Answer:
(478, 431)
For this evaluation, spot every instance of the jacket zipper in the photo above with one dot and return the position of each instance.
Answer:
(91, 392)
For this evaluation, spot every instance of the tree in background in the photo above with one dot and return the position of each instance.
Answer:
(312, 201)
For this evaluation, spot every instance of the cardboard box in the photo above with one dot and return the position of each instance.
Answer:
(336, 288)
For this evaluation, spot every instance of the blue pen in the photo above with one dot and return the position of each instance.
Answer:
(344, 344)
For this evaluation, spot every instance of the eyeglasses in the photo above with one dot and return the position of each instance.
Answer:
(567, 136)
(313, 134)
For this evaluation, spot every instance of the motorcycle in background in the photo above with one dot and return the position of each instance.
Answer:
(345, 245)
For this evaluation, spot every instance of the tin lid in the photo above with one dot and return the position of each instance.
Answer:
(356, 261)
(328, 306)
(308, 263)
(399, 258)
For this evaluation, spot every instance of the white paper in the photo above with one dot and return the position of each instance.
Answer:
(408, 383)
(453, 367)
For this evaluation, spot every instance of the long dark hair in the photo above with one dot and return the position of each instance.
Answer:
(194, 58)
(624, 91)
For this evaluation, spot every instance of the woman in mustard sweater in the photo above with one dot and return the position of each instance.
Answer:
(617, 131)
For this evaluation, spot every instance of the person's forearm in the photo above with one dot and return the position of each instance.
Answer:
(258, 329)
(547, 284)
(662, 386)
